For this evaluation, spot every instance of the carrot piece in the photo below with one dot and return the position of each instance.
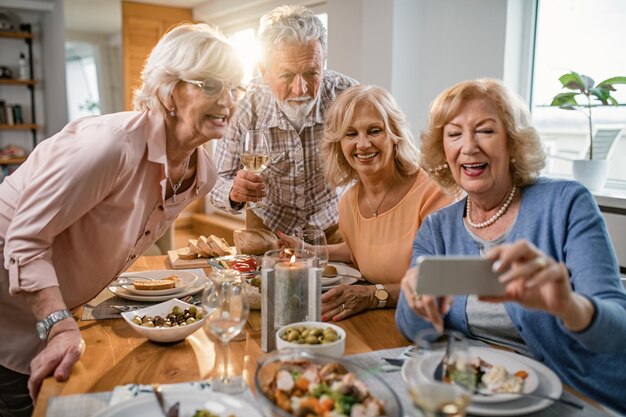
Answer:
(521, 374)
(302, 384)
(327, 404)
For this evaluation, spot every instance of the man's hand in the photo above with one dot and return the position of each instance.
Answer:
(59, 356)
(247, 186)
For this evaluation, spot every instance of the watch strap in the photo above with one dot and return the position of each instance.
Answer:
(44, 326)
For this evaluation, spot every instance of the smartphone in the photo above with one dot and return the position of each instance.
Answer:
(457, 275)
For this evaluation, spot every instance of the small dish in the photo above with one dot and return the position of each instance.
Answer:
(334, 349)
(162, 334)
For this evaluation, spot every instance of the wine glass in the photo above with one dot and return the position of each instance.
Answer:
(226, 308)
(449, 393)
(313, 240)
(255, 156)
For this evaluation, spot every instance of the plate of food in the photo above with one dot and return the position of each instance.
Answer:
(161, 282)
(197, 286)
(192, 404)
(497, 372)
(246, 265)
(338, 273)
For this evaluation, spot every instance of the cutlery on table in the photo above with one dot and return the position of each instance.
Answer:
(532, 395)
(125, 308)
(168, 412)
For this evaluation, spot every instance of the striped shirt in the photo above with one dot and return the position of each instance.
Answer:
(297, 192)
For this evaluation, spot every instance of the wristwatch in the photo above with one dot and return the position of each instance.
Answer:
(44, 326)
(381, 295)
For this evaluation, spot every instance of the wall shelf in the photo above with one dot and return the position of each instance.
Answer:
(13, 81)
(12, 161)
(27, 126)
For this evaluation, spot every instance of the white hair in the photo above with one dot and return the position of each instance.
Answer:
(189, 51)
(290, 25)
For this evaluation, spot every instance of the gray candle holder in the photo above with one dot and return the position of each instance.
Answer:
(290, 291)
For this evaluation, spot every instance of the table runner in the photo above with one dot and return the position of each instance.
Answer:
(100, 307)
(86, 405)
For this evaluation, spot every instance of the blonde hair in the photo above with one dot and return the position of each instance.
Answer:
(337, 170)
(188, 51)
(523, 139)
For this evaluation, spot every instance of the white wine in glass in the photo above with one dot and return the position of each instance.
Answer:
(255, 154)
(225, 306)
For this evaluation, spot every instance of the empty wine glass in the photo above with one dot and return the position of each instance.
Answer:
(226, 308)
(255, 156)
(313, 240)
(438, 393)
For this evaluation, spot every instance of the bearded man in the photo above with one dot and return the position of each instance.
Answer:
(287, 103)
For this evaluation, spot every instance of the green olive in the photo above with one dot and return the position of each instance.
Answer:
(137, 320)
(193, 310)
(199, 315)
(177, 310)
(190, 320)
(311, 340)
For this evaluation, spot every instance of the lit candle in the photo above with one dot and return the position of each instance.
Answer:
(291, 280)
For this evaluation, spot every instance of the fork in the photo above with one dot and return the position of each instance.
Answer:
(173, 410)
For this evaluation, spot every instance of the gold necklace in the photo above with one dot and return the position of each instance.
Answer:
(367, 200)
(492, 220)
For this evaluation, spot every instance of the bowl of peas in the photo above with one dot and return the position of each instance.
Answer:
(315, 337)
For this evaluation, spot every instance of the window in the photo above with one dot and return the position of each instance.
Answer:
(585, 36)
(82, 80)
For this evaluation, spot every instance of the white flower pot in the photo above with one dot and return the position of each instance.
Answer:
(593, 173)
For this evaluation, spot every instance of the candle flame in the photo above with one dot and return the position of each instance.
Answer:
(293, 259)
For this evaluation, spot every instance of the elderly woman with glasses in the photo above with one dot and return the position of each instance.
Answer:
(93, 197)
(564, 304)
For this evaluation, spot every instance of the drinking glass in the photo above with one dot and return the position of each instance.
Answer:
(255, 156)
(449, 397)
(313, 240)
(226, 309)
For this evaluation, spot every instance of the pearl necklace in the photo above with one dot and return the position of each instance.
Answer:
(367, 200)
(492, 220)
(176, 187)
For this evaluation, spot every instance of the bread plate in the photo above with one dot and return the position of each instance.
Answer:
(194, 288)
(346, 275)
(185, 280)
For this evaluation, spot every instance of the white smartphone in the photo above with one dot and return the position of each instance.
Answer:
(457, 275)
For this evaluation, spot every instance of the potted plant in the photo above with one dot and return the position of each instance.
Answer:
(592, 173)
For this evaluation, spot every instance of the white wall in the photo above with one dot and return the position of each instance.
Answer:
(417, 48)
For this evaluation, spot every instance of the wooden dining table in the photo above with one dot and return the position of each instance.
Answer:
(116, 355)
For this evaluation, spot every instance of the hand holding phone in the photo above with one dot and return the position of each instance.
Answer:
(457, 275)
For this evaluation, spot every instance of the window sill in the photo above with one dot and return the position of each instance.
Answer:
(613, 195)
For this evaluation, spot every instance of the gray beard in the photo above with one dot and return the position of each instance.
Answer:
(297, 113)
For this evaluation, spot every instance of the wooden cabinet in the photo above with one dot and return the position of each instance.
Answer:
(24, 122)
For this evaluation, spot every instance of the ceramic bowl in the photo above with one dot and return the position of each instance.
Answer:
(269, 365)
(162, 334)
(334, 349)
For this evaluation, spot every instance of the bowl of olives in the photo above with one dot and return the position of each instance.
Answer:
(315, 337)
(170, 321)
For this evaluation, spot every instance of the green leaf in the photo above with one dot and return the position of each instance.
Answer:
(572, 81)
(565, 99)
(602, 94)
(608, 83)
(613, 101)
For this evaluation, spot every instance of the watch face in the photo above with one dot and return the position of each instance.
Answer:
(382, 294)
(42, 332)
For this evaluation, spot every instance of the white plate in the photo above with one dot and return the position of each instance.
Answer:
(548, 384)
(345, 276)
(146, 406)
(186, 280)
(192, 289)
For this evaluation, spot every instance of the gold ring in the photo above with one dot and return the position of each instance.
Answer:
(541, 261)
(417, 297)
(342, 306)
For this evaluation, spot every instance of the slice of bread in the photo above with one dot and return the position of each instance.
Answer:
(204, 244)
(219, 245)
(186, 254)
(193, 245)
(156, 284)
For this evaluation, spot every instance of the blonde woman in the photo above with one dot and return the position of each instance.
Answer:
(368, 144)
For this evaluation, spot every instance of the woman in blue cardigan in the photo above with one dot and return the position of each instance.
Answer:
(564, 304)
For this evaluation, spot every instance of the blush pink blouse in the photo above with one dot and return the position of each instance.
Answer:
(83, 206)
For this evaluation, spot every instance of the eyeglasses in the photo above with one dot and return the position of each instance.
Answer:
(215, 88)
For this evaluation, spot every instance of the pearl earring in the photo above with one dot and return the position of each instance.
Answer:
(439, 168)
(172, 112)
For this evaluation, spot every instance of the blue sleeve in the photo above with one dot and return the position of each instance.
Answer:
(594, 270)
